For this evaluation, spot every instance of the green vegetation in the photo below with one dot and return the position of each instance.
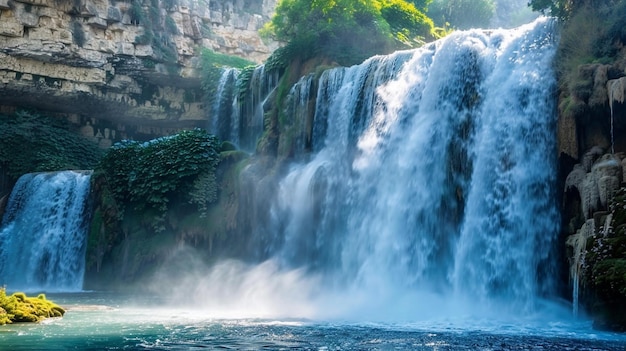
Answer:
(462, 14)
(564, 9)
(147, 176)
(213, 64)
(158, 31)
(605, 269)
(30, 142)
(590, 35)
(558, 8)
(154, 196)
(21, 308)
(347, 31)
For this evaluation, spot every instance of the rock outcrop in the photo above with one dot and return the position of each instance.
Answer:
(126, 67)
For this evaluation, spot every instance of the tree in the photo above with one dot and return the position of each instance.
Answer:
(421, 5)
(347, 31)
(553, 7)
(564, 9)
(462, 14)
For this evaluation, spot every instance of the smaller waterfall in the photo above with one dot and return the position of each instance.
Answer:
(223, 125)
(44, 231)
(251, 114)
(616, 89)
(237, 117)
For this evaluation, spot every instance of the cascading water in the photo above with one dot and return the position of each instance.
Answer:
(223, 125)
(239, 118)
(250, 115)
(44, 232)
(434, 173)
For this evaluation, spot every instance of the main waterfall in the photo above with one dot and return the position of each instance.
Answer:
(44, 232)
(434, 174)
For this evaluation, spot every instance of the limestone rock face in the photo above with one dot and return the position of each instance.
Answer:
(130, 63)
(596, 180)
(592, 107)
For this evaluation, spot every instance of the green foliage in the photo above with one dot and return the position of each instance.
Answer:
(136, 13)
(213, 64)
(147, 176)
(558, 8)
(158, 31)
(30, 142)
(170, 25)
(204, 191)
(21, 308)
(421, 5)
(346, 31)
(408, 25)
(243, 82)
(591, 34)
(462, 14)
(564, 9)
(604, 269)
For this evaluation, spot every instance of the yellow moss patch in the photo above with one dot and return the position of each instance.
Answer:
(21, 308)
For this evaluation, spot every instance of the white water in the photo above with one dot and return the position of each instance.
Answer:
(44, 232)
(224, 123)
(432, 189)
(240, 118)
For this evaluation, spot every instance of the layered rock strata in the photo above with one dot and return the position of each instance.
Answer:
(122, 66)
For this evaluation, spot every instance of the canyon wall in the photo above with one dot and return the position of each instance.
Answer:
(121, 69)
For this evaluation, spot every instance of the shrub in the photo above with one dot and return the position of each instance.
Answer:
(21, 308)
(145, 177)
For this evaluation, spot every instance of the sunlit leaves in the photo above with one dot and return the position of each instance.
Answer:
(348, 31)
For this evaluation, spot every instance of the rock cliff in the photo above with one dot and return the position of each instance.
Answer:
(121, 69)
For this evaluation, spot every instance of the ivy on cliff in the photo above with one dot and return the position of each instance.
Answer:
(31, 142)
(146, 177)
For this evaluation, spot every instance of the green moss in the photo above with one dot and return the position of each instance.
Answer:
(21, 308)
(31, 142)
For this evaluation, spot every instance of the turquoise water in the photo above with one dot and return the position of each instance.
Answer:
(97, 321)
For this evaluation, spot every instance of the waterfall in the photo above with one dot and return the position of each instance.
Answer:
(44, 232)
(223, 125)
(239, 118)
(251, 114)
(434, 171)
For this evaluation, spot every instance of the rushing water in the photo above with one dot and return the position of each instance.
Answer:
(239, 118)
(44, 232)
(433, 180)
(105, 322)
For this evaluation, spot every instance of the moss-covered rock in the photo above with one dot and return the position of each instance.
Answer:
(21, 308)
(604, 279)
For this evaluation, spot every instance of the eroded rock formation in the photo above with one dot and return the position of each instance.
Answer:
(121, 67)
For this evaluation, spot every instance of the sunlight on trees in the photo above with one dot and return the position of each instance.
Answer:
(349, 31)
(462, 14)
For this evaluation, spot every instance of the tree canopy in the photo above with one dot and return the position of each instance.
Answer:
(563, 9)
(348, 31)
(462, 14)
